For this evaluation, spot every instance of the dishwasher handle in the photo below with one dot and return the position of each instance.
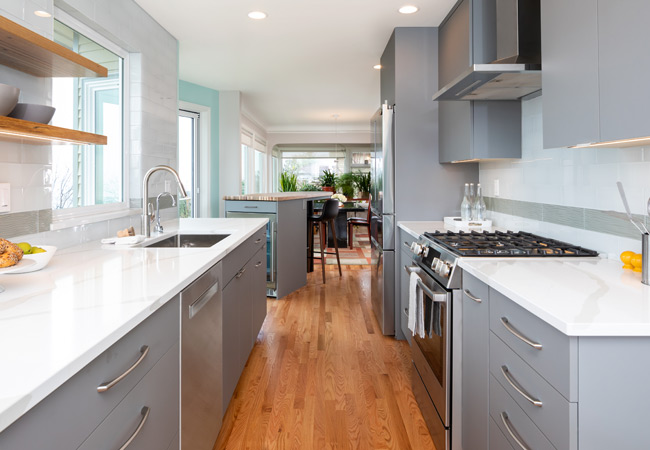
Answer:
(203, 300)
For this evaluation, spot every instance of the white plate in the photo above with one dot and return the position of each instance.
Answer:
(23, 264)
(40, 259)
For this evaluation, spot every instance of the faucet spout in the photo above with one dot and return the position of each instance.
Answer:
(147, 215)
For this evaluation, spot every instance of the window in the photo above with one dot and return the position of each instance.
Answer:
(188, 155)
(309, 165)
(253, 163)
(84, 175)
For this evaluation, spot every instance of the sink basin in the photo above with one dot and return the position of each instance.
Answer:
(189, 240)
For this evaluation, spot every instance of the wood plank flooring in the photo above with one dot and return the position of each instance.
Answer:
(321, 376)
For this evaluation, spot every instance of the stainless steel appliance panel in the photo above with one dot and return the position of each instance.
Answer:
(201, 371)
(376, 167)
(387, 194)
(439, 433)
(382, 287)
(271, 246)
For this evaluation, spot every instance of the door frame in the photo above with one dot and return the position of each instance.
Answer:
(202, 160)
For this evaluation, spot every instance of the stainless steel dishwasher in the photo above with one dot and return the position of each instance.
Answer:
(201, 371)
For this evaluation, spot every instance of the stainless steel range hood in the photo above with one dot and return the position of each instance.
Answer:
(517, 70)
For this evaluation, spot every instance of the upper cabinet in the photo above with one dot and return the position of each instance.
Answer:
(595, 59)
(29, 52)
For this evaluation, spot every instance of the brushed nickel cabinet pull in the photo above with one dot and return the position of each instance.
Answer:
(469, 294)
(515, 385)
(145, 415)
(518, 335)
(259, 263)
(106, 386)
(511, 431)
(258, 240)
(241, 272)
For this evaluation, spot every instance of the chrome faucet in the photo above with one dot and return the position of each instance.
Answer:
(158, 228)
(147, 213)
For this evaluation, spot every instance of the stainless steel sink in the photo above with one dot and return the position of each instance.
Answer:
(189, 240)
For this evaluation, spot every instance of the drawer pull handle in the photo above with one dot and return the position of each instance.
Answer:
(512, 432)
(203, 300)
(240, 273)
(515, 385)
(469, 294)
(518, 335)
(259, 263)
(106, 386)
(406, 244)
(250, 207)
(258, 241)
(406, 311)
(145, 415)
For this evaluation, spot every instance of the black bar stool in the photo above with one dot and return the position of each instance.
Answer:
(330, 212)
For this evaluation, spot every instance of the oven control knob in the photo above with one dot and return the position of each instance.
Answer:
(445, 268)
(425, 251)
(434, 264)
(417, 249)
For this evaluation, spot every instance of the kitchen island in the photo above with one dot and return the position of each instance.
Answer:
(58, 320)
(287, 214)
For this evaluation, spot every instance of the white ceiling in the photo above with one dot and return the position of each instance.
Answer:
(309, 60)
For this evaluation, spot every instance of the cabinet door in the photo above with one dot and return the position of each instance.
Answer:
(624, 65)
(258, 292)
(454, 44)
(232, 293)
(455, 131)
(570, 71)
(475, 364)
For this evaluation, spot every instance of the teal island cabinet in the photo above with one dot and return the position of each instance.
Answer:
(286, 234)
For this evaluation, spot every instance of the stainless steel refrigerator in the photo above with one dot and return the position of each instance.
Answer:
(382, 223)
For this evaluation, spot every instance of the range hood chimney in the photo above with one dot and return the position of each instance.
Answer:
(517, 69)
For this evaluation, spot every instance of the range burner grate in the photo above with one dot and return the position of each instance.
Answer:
(502, 244)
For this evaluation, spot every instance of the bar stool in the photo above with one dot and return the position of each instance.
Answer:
(329, 214)
(358, 222)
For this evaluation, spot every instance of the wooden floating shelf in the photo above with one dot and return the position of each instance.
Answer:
(37, 133)
(29, 52)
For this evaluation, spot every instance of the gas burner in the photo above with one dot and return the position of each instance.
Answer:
(504, 244)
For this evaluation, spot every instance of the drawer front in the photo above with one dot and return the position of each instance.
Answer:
(175, 444)
(237, 259)
(405, 240)
(557, 418)
(158, 391)
(557, 358)
(246, 206)
(84, 407)
(498, 440)
(513, 421)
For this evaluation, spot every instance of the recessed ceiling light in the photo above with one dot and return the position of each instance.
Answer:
(40, 13)
(408, 9)
(377, 66)
(257, 15)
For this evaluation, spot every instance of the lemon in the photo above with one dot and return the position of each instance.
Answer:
(25, 247)
(37, 250)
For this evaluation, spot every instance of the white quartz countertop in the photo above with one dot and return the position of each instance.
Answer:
(579, 297)
(55, 321)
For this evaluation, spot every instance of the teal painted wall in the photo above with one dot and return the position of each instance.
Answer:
(193, 93)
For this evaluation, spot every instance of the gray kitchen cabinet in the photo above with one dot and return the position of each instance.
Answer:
(475, 363)
(85, 408)
(405, 258)
(594, 74)
(479, 130)
(244, 310)
(570, 82)
(623, 68)
(147, 415)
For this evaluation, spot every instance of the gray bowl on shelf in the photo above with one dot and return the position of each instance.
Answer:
(33, 112)
(8, 98)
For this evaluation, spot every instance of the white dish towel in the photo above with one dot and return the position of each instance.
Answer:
(416, 310)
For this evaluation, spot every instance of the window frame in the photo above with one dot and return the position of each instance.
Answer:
(64, 218)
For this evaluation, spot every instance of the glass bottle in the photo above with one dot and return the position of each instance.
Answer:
(472, 201)
(479, 204)
(466, 205)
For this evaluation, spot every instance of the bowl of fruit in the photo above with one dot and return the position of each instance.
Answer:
(40, 254)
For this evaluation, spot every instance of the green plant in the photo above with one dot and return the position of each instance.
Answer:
(288, 181)
(328, 178)
(346, 183)
(309, 187)
(362, 181)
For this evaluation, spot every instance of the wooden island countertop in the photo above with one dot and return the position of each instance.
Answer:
(280, 196)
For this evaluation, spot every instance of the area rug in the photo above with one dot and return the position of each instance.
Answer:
(359, 255)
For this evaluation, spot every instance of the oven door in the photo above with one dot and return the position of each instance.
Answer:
(432, 354)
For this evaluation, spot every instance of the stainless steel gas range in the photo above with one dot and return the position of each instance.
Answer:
(437, 355)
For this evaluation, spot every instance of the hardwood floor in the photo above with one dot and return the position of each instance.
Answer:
(322, 376)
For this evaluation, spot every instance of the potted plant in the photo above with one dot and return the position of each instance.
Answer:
(288, 181)
(309, 187)
(362, 183)
(346, 183)
(328, 180)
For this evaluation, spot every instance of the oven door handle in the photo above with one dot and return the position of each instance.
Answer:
(437, 298)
